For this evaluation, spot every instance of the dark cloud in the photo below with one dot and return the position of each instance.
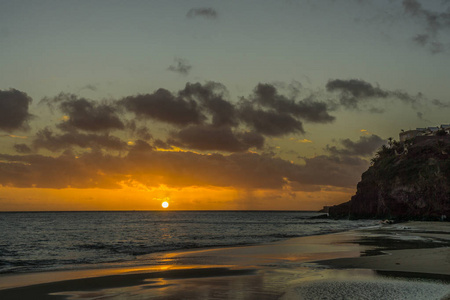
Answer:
(211, 97)
(434, 23)
(420, 116)
(365, 146)
(55, 142)
(405, 97)
(181, 66)
(164, 107)
(353, 93)
(440, 104)
(161, 144)
(65, 171)
(267, 95)
(265, 112)
(205, 12)
(271, 123)
(338, 171)
(241, 170)
(141, 132)
(436, 47)
(140, 145)
(207, 121)
(22, 148)
(89, 87)
(432, 26)
(14, 110)
(176, 169)
(421, 39)
(85, 114)
(217, 138)
(413, 7)
(376, 110)
(251, 139)
(268, 112)
(356, 88)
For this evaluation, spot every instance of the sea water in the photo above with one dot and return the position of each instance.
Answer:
(38, 241)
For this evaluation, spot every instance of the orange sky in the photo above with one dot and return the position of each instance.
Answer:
(191, 198)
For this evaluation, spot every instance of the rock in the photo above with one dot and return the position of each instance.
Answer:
(411, 186)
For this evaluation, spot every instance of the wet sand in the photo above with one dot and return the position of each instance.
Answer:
(400, 261)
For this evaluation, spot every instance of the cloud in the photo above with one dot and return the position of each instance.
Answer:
(14, 136)
(433, 22)
(141, 132)
(26, 171)
(205, 12)
(304, 141)
(420, 116)
(150, 168)
(181, 66)
(163, 106)
(205, 119)
(140, 145)
(364, 131)
(211, 97)
(90, 87)
(271, 123)
(203, 137)
(14, 110)
(161, 144)
(273, 114)
(207, 105)
(338, 171)
(266, 111)
(251, 139)
(267, 95)
(365, 146)
(421, 39)
(55, 142)
(143, 165)
(22, 148)
(440, 104)
(243, 170)
(85, 115)
(354, 93)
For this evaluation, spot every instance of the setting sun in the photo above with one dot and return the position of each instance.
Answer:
(165, 204)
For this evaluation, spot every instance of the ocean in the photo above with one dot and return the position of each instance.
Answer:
(47, 241)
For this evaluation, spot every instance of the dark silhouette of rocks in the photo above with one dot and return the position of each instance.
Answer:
(406, 181)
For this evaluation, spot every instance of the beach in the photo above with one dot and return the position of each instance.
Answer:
(398, 261)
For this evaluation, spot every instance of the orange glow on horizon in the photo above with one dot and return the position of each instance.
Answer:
(185, 198)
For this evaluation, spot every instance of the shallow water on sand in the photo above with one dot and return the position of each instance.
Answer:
(297, 268)
(364, 284)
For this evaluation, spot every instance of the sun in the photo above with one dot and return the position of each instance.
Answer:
(165, 204)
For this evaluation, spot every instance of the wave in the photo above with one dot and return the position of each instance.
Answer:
(54, 241)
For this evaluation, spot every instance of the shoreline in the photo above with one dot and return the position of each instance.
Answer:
(399, 253)
(140, 260)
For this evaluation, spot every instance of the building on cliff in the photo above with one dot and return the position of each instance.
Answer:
(429, 131)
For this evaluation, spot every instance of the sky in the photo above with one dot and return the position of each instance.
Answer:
(210, 105)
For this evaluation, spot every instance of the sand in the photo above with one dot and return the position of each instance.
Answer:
(400, 261)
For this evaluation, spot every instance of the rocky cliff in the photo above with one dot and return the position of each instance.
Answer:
(408, 180)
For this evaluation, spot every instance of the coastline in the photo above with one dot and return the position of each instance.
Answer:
(414, 257)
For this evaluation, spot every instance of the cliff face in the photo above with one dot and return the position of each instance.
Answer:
(404, 184)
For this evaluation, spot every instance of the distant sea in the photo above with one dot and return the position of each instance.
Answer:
(44, 241)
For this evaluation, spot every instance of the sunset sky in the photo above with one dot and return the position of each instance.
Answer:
(122, 105)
